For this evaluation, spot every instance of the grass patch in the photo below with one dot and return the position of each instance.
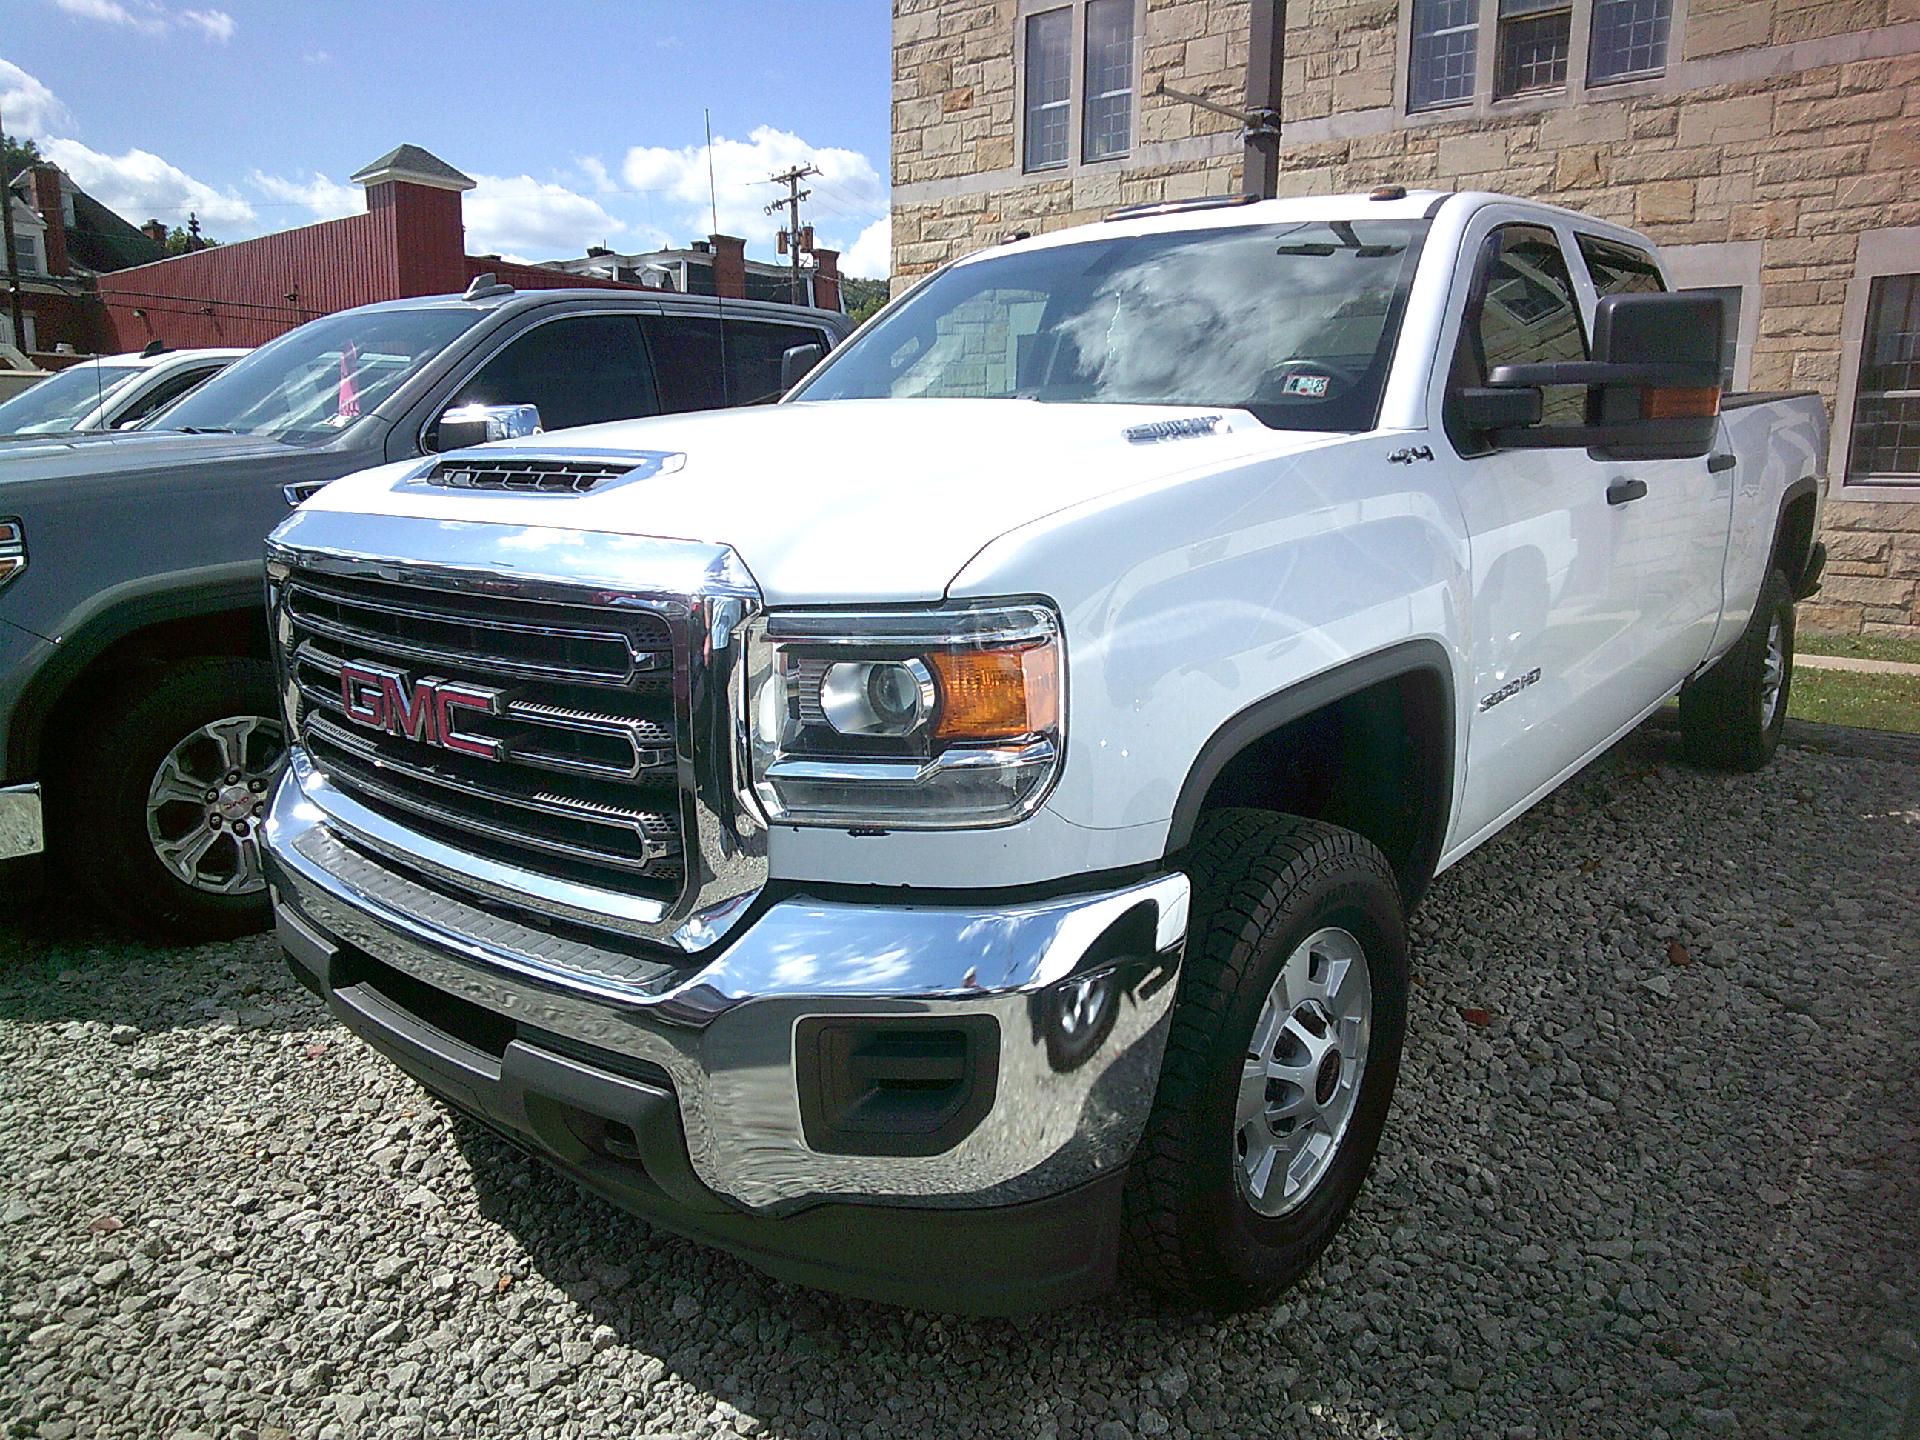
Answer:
(1860, 647)
(1845, 697)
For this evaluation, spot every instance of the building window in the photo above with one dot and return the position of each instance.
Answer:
(26, 250)
(1446, 36)
(1107, 124)
(1534, 38)
(1629, 39)
(1049, 88)
(1886, 407)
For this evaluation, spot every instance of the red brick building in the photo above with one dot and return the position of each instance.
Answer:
(410, 241)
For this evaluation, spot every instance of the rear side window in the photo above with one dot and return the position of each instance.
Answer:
(686, 359)
(1620, 269)
(578, 370)
(1523, 311)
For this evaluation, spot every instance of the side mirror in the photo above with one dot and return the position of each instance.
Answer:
(795, 363)
(1653, 385)
(466, 425)
(1513, 408)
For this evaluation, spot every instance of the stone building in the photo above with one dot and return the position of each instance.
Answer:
(1772, 148)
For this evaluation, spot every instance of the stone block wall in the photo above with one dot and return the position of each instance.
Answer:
(1801, 157)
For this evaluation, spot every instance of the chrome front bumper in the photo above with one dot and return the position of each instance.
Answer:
(1066, 1108)
(22, 824)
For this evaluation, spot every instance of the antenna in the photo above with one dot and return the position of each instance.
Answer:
(720, 301)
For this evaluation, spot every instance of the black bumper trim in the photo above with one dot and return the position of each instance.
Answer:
(619, 1136)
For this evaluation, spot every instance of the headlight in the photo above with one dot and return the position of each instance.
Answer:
(907, 719)
(13, 549)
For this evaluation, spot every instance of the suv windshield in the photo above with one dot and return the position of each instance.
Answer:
(55, 404)
(1294, 323)
(311, 383)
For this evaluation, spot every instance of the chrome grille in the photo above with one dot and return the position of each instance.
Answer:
(522, 476)
(585, 784)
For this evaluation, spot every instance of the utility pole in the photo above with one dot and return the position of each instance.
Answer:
(1259, 117)
(13, 253)
(792, 239)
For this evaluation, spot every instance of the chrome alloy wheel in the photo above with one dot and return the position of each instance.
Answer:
(206, 801)
(1773, 673)
(1304, 1064)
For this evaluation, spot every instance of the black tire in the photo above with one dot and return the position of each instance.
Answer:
(99, 814)
(1263, 884)
(1726, 722)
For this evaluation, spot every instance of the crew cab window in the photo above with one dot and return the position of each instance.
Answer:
(1618, 269)
(1523, 311)
(698, 373)
(577, 370)
(754, 350)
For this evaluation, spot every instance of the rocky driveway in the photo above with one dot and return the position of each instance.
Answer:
(1654, 1170)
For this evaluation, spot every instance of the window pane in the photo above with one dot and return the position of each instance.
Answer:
(686, 357)
(1109, 89)
(577, 371)
(1886, 414)
(1620, 269)
(1730, 298)
(1533, 52)
(1049, 60)
(754, 351)
(1528, 314)
(1629, 38)
(1446, 34)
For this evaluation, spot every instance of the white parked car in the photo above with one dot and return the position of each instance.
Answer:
(113, 392)
(953, 830)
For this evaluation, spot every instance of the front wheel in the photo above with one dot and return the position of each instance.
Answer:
(1280, 1064)
(165, 794)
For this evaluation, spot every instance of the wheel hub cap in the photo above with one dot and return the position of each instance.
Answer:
(1301, 1078)
(206, 802)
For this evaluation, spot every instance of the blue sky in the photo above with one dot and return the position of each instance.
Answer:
(581, 121)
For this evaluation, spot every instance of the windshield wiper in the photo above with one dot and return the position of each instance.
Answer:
(208, 430)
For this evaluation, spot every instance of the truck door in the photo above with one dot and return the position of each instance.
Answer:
(1554, 671)
(1670, 524)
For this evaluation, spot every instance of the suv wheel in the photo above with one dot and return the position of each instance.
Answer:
(165, 800)
(1280, 1063)
(1732, 716)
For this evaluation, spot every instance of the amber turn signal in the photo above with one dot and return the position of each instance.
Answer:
(996, 694)
(1677, 403)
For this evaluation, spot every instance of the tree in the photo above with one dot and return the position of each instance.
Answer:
(17, 155)
(862, 297)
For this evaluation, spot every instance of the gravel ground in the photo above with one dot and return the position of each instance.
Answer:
(1654, 1170)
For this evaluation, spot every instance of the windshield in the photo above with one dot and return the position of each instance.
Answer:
(56, 403)
(1294, 323)
(311, 383)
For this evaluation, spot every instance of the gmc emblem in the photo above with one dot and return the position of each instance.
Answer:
(423, 710)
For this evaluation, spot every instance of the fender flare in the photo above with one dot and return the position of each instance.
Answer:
(1264, 716)
(121, 617)
(1806, 575)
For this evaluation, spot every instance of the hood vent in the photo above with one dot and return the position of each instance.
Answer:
(519, 474)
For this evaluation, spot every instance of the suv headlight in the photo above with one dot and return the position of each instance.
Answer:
(924, 720)
(13, 549)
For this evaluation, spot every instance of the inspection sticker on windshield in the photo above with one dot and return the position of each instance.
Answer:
(1314, 387)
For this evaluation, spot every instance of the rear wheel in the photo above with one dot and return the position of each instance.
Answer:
(165, 797)
(1731, 717)
(1281, 1061)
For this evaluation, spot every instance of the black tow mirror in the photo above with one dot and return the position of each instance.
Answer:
(1511, 407)
(795, 363)
(1653, 384)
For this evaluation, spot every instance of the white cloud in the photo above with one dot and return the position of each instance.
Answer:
(871, 256)
(595, 169)
(521, 214)
(30, 108)
(317, 57)
(151, 18)
(215, 24)
(140, 184)
(327, 199)
(847, 193)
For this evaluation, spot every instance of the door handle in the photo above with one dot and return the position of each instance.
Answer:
(1717, 463)
(1621, 491)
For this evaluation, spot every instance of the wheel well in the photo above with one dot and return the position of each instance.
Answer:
(1793, 545)
(66, 702)
(1377, 761)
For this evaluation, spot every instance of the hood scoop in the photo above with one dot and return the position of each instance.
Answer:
(513, 472)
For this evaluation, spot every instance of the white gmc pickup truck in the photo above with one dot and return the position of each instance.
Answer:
(951, 833)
